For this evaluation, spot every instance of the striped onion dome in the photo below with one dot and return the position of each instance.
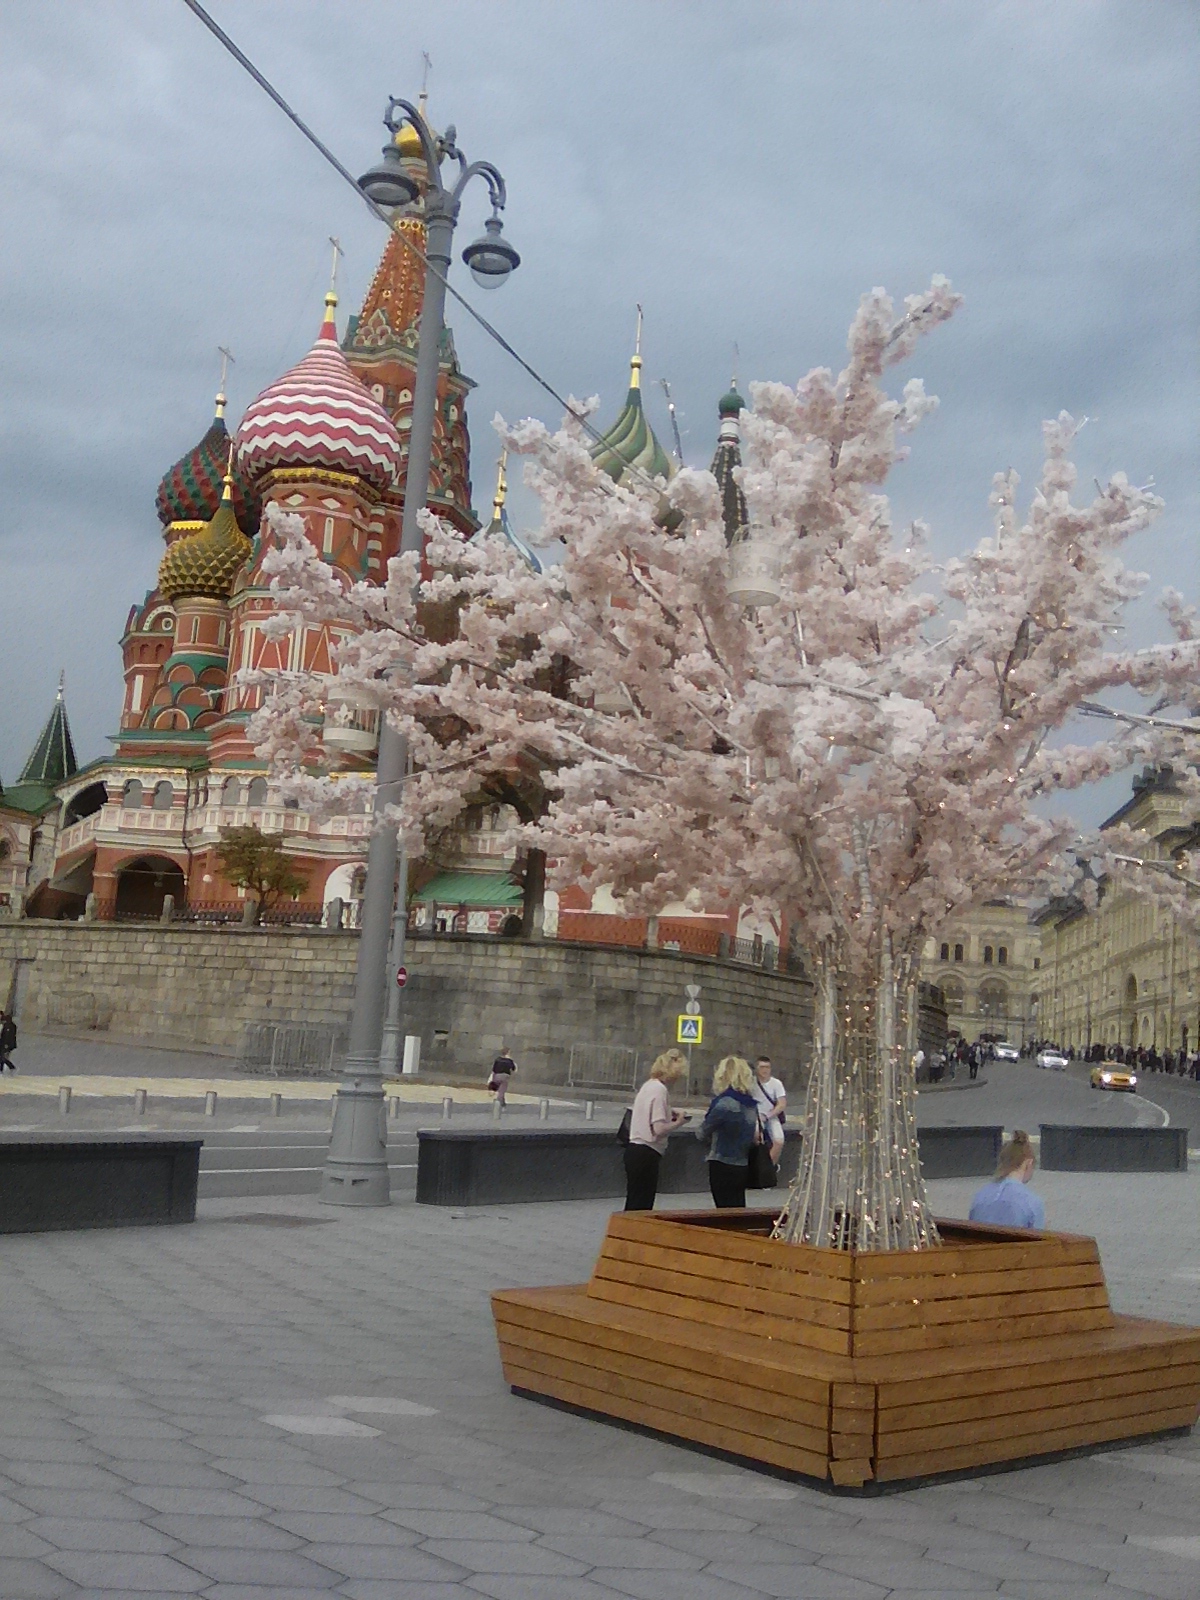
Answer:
(190, 491)
(630, 442)
(320, 415)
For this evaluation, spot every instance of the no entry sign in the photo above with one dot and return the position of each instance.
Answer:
(401, 977)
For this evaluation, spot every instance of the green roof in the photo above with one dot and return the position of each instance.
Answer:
(32, 798)
(469, 889)
(53, 756)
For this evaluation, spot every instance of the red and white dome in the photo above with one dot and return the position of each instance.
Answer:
(320, 415)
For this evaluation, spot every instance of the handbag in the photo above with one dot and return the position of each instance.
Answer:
(763, 1173)
(626, 1125)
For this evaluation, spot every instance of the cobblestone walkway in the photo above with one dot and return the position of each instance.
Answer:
(283, 1402)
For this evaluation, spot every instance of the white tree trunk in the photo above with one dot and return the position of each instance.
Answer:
(859, 1186)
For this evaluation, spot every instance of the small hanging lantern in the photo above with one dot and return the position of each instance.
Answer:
(755, 561)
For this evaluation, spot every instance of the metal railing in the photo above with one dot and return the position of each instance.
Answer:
(292, 1049)
(603, 1066)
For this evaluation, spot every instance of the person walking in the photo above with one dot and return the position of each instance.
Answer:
(770, 1096)
(503, 1068)
(1005, 1201)
(731, 1122)
(649, 1128)
(8, 1041)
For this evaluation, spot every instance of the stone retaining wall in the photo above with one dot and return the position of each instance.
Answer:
(188, 986)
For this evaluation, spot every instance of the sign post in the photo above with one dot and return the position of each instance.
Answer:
(689, 1027)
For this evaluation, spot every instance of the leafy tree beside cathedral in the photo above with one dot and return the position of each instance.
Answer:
(258, 863)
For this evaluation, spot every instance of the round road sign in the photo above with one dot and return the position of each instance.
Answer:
(401, 977)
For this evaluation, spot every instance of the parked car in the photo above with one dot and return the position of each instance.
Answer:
(1053, 1060)
(1112, 1075)
(1002, 1051)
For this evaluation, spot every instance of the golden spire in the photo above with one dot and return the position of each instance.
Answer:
(331, 298)
(635, 364)
(227, 486)
(501, 494)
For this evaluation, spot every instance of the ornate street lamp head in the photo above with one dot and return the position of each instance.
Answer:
(387, 182)
(490, 257)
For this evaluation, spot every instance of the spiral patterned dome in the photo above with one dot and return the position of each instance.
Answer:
(206, 563)
(320, 415)
(190, 491)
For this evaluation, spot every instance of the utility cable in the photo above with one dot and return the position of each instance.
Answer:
(268, 88)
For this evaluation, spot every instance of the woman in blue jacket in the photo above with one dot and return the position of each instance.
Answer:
(731, 1122)
(1006, 1200)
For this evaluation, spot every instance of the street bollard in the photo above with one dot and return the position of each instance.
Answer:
(589, 1111)
(447, 1107)
(276, 1105)
(139, 1102)
(393, 1106)
(64, 1099)
(333, 1102)
(497, 1108)
(210, 1103)
(543, 1110)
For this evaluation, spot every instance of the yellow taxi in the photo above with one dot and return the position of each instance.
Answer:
(1112, 1075)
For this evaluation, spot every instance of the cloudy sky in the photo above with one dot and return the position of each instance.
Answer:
(744, 170)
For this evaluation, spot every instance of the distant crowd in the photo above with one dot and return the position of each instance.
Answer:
(1176, 1063)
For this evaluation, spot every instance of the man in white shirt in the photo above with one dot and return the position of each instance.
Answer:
(771, 1098)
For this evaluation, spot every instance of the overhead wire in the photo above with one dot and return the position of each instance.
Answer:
(293, 116)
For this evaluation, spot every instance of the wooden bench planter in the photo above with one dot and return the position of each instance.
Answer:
(858, 1370)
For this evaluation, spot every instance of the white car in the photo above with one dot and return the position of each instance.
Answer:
(1054, 1060)
(1005, 1052)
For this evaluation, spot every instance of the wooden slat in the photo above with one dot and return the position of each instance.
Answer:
(1131, 1344)
(885, 1291)
(752, 1447)
(850, 1474)
(927, 1413)
(785, 1431)
(708, 1290)
(772, 1276)
(1028, 1424)
(803, 1371)
(660, 1228)
(915, 1313)
(991, 1330)
(749, 1396)
(977, 1455)
(870, 1267)
(671, 1305)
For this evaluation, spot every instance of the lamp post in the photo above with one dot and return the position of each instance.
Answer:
(356, 1171)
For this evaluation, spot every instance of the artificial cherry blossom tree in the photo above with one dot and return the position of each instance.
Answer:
(870, 754)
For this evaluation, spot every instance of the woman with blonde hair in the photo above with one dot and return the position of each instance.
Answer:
(732, 1122)
(1005, 1200)
(650, 1124)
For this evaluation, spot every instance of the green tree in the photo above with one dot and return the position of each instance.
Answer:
(257, 862)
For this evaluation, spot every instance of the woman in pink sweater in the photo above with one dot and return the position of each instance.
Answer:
(652, 1121)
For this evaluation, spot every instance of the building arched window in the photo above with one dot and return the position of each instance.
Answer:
(231, 792)
(1002, 956)
(952, 993)
(164, 794)
(993, 999)
(958, 952)
(945, 952)
(256, 795)
(987, 955)
(131, 794)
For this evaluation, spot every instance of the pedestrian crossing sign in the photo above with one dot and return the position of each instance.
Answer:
(689, 1030)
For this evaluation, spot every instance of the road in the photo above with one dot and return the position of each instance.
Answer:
(1020, 1095)
(266, 1162)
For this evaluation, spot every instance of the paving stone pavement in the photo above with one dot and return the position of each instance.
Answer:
(288, 1402)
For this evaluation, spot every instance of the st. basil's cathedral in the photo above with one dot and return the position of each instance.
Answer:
(327, 440)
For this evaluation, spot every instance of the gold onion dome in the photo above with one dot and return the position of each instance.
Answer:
(206, 563)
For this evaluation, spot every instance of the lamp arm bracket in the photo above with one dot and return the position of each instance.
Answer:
(429, 145)
(491, 174)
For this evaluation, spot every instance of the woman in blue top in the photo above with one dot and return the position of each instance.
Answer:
(1006, 1200)
(731, 1121)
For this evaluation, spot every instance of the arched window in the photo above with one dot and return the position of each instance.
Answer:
(164, 794)
(993, 999)
(987, 955)
(945, 952)
(1002, 956)
(257, 793)
(231, 792)
(131, 794)
(958, 952)
(952, 992)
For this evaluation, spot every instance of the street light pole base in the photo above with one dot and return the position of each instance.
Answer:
(356, 1170)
